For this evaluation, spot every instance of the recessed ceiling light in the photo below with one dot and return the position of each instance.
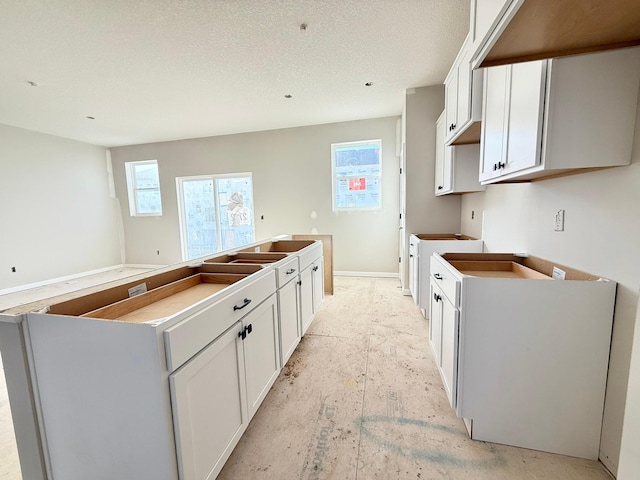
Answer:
(32, 84)
(91, 118)
(288, 96)
(368, 84)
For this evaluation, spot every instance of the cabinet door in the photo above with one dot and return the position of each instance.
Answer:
(526, 107)
(494, 122)
(288, 312)
(485, 15)
(306, 298)
(449, 350)
(261, 352)
(317, 280)
(444, 161)
(451, 102)
(463, 114)
(208, 399)
(435, 322)
(414, 268)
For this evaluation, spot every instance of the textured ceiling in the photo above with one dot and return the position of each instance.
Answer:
(157, 70)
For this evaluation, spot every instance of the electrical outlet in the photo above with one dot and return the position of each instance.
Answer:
(560, 221)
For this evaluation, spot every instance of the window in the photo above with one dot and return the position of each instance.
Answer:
(216, 213)
(143, 183)
(356, 173)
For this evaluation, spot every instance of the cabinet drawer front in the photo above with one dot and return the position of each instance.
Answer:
(287, 271)
(310, 254)
(446, 280)
(188, 337)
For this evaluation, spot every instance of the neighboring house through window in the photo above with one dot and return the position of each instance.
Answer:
(216, 213)
(356, 175)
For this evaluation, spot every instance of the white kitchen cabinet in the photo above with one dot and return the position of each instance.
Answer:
(311, 285)
(209, 403)
(428, 243)
(164, 382)
(523, 357)
(261, 352)
(463, 96)
(485, 16)
(456, 169)
(559, 116)
(413, 268)
(288, 310)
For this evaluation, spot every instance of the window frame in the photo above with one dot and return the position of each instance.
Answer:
(181, 210)
(132, 188)
(334, 147)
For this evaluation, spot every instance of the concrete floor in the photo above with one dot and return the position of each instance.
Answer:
(361, 399)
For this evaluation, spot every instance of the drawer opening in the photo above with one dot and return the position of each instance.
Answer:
(508, 265)
(287, 246)
(166, 300)
(443, 236)
(498, 269)
(248, 257)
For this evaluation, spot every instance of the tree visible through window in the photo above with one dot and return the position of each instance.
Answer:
(216, 213)
(356, 171)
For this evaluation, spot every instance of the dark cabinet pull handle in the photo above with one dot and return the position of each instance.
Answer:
(437, 297)
(249, 328)
(243, 333)
(290, 271)
(437, 276)
(495, 167)
(247, 301)
(299, 282)
(501, 165)
(315, 269)
(440, 187)
(410, 256)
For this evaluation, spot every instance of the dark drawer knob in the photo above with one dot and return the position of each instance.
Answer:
(290, 271)
(437, 276)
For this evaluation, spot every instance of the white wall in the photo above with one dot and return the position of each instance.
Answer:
(425, 213)
(56, 213)
(291, 179)
(602, 236)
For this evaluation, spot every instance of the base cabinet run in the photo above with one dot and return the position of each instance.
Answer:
(163, 384)
(523, 357)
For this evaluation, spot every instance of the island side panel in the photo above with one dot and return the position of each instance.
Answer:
(23, 410)
(104, 396)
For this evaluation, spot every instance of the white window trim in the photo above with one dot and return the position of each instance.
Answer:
(333, 176)
(132, 189)
(181, 225)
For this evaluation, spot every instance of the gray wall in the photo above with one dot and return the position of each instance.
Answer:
(602, 236)
(291, 179)
(425, 212)
(56, 213)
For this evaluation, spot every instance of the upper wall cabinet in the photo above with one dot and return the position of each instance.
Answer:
(456, 166)
(463, 99)
(513, 31)
(550, 117)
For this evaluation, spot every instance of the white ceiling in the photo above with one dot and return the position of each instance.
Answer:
(157, 70)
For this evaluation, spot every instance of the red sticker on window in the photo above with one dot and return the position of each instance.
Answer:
(357, 184)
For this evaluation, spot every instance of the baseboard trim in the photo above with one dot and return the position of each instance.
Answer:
(366, 274)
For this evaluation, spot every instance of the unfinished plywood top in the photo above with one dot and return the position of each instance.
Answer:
(548, 29)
